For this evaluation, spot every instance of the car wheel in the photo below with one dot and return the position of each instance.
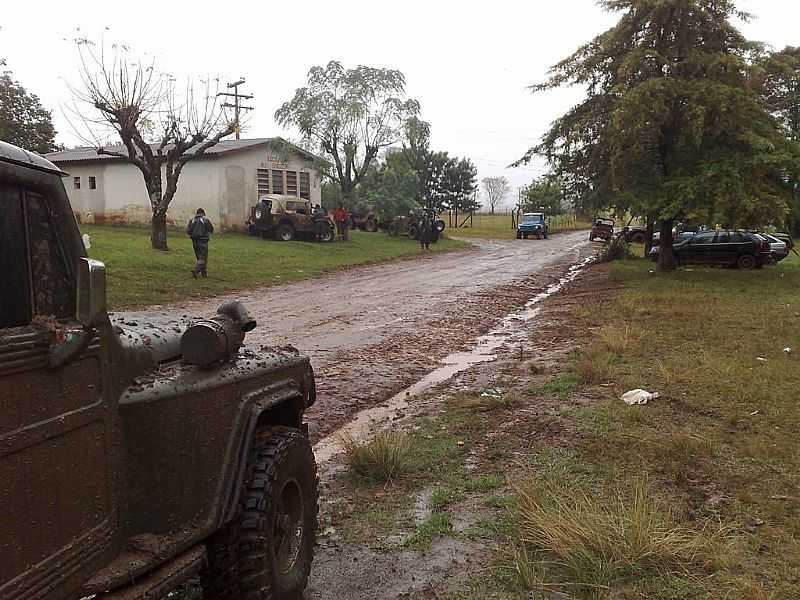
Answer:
(519, 235)
(371, 226)
(746, 261)
(327, 235)
(637, 238)
(544, 235)
(412, 232)
(284, 233)
(392, 229)
(266, 552)
(591, 238)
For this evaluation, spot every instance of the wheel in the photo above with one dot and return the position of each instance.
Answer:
(439, 225)
(525, 235)
(392, 229)
(637, 238)
(519, 235)
(544, 235)
(284, 233)
(591, 238)
(746, 261)
(327, 235)
(265, 553)
(371, 225)
(412, 232)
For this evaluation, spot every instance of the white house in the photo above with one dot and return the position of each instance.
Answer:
(226, 182)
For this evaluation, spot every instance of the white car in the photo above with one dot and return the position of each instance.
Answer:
(777, 248)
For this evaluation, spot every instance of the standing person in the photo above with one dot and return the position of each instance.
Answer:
(342, 219)
(320, 217)
(200, 230)
(425, 233)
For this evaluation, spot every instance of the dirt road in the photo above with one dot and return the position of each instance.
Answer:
(370, 331)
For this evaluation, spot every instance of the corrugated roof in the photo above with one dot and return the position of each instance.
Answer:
(88, 153)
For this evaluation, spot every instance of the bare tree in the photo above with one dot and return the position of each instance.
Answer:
(161, 125)
(496, 189)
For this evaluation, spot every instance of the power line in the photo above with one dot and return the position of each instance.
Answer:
(236, 106)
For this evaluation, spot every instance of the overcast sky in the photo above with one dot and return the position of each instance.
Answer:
(467, 63)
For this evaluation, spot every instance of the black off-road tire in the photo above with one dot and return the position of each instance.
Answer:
(393, 229)
(327, 236)
(284, 233)
(244, 557)
(412, 232)
(747, 262)
(371, 226)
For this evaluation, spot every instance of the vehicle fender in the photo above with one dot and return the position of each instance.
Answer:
(281, 403)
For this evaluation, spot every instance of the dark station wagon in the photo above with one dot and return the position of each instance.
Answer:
(727, 247)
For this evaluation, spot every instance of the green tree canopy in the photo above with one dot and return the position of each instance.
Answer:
(24, 121)
(671, 126)
(350, 115)
(544, 194)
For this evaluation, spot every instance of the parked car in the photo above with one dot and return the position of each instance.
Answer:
(602, 229)
(137, 450)
(533, 224)
(727, 247)
(635, 234)
(778, 248)
(680, 233)
(286, 218)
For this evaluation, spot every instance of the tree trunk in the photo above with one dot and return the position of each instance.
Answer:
(158, 231)
(666, 258)
(648, 236)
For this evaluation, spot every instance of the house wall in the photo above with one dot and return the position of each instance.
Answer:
(225, 186)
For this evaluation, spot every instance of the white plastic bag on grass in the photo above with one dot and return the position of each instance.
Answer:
(638, 397)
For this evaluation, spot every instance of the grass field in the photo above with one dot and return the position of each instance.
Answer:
(697, 494)
(499, 226)
(139, 275)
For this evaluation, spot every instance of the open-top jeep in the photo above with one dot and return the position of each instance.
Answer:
(410, 225)
(137, 450)
(287, 218)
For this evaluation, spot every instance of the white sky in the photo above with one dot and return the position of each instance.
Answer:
(468, 63)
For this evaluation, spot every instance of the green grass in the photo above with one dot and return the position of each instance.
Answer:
(139, 275)
(489, 226)
(719, 448)
(562, 386)
(438, 524)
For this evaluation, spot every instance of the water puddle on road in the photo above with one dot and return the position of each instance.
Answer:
(484, 350)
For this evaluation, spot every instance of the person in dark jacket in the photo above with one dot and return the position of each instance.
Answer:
(320, 216)
(425, 233)
(200, 230)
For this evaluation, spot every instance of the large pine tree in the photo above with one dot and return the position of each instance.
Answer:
(672, 126)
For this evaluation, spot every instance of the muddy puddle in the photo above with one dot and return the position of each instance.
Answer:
(484, 349)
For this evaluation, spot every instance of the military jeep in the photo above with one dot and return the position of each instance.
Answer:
(137, 450)
(286, 218)
(409, 225)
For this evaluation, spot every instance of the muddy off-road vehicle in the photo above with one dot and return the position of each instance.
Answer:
(409, 225)
(365, 221)
(137, 450)
(286, 218)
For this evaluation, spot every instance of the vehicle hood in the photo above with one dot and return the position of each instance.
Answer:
(148, 339)
(530, 225)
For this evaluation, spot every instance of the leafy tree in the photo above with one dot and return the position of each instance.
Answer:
(671, 125)
(390, 188)
(24, 121)
(780, 87)
(161, 129)
(496, 190)
(448, 183)
(544, 194)
(350, 114)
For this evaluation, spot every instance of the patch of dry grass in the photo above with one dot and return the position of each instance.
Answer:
(567, 539)
(383, 458)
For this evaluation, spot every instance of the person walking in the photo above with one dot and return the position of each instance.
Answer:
(342, 219)
(424, 234)
(200, 230)
(320, 216)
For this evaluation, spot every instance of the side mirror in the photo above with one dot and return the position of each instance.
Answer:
(91, 301)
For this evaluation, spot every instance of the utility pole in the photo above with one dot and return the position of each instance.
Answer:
(236, 106)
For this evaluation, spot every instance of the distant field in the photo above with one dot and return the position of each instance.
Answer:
(498, 226)
(138, 275)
